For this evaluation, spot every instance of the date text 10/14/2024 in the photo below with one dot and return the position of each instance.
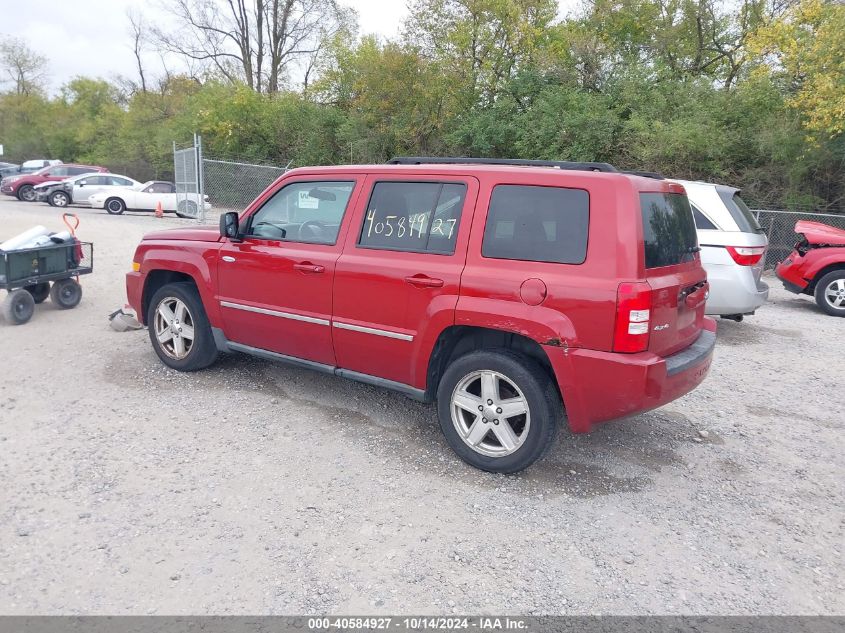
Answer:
(422, 623)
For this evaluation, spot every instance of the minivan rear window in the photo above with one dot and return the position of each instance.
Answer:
(668, 229)
(745, 220)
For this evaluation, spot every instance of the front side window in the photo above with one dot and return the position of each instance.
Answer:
(668, 229)
(418, 217)
(309, 212)
(58, 171)
(538, 224)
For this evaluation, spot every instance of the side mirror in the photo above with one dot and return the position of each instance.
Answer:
(229, 225)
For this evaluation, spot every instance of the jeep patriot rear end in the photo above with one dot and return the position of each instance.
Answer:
(506, 293)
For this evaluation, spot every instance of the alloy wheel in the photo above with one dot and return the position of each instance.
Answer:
(174, 328)
(490, 413)
(834, 294)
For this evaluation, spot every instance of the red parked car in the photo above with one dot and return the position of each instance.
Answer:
(817, 266)
(23, 186)
(507, 294)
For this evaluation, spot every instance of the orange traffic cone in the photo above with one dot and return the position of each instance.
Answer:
(159, 211)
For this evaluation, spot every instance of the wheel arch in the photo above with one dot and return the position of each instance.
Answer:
(156, 279)
(458, 340)
(829, 268)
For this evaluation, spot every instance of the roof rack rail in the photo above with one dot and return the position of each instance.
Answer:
(559, 164)
(646, 174)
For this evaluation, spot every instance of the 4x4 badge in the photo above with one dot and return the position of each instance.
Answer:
(665, 326)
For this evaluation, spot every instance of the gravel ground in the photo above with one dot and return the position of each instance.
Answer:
(254, 488)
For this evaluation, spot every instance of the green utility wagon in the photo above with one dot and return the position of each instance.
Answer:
(31, 275)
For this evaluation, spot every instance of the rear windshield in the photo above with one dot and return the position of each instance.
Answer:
(668, 229)
(745, 220)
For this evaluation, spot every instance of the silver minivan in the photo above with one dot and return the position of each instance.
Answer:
(733, 249)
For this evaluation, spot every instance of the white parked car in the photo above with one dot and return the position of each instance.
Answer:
(78, 189)
(733, 248)
(145, 197)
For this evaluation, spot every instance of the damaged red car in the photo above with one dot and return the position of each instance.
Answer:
(817, 266)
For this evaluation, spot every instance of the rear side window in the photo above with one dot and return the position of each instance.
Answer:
(418, 217)
(538, 224)
(668, 229)
(745, 220)
(701, 221)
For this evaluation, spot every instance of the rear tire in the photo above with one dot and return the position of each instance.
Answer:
(18, 307)
(830, 293)
(39, 292)
(26, 193)
(175, 309)
(498, 381)
(66, 293)
(115, 206)
(187, 209)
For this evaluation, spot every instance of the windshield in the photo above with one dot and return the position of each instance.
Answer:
(742, 215)
(668, 229)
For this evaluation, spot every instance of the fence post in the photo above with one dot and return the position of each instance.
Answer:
(200, 177)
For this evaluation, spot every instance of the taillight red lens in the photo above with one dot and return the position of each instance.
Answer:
(746, 255)
(633, 317)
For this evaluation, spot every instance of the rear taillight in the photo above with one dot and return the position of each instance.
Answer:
(633, 317)
(746, 255)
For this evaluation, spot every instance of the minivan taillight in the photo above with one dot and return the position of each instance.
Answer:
(746, 255)
(633, 317)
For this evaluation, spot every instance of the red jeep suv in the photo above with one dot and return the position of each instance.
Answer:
(509, 292)
(23, 187)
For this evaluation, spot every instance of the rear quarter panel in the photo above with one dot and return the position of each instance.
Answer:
(579, 309)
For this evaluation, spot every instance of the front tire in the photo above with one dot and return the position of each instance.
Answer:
(830, 293)
(18, 307)
(59, 199)
(498, 410)
(26, 193)
(115, 206)
(179, 328)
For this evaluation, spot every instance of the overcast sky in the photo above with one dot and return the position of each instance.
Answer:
(91, 37)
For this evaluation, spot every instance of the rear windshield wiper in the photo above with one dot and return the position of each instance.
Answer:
(693, 249)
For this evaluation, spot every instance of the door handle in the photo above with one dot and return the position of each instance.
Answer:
(424, 282)
(308, 267)
(227, 258)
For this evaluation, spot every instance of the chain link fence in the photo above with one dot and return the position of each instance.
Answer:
(231, 185)
(780, 228)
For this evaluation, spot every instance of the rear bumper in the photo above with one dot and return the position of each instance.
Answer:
(734, 290)
(789, 273)
(601, 386)
(134, 293)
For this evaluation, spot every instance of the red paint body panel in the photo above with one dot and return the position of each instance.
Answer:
(818, 233)
(799, 269)
(192, 234)
(374, 315)
(599, 386)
